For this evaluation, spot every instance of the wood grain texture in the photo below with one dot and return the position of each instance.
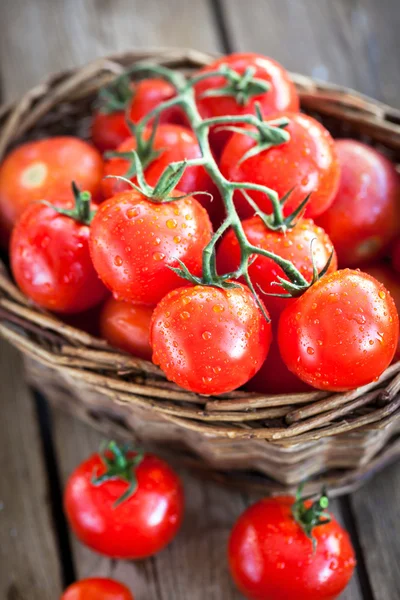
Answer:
(42, 37)
(350, 42)
(29, 568)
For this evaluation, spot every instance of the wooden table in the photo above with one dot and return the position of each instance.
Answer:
(352, 42)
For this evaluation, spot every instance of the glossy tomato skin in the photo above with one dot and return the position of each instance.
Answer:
(51, 263)
(271, 558)
(109, 130)
(391, 280)
(365, 214)
(45, 169)
(127, 327)
(306, 164)
(175, 143)
(209, 340)
(282, 95)
(294, 245)
(134, 241)
(97, 588)
(342, 333)
(136, 528)
(147, 95)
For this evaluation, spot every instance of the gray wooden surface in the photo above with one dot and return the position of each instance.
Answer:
(353, 42)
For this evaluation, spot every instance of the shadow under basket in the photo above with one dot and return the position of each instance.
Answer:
(267, 443)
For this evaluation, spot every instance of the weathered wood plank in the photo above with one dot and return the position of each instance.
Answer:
(29, 568)
(376, 512)
(351, 43)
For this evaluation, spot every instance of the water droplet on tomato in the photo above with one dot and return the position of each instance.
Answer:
(172, 223)
(206, 335)
(218, 308)
(158, 256)
(185, 315)
(118, 261)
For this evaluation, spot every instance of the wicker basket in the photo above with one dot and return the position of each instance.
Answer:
(271, 442)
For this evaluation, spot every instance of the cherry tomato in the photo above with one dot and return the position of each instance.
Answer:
(115, 520)
(271, 557)
(109, 130)
(294, 245)
(209, 340)
(51, 263)
(134, 241)
(365, 215)
(97, 588)
(396, 255)
(391, 280)
(127, 327)
(274, 377)
(45, 169)
(175, 143)
(281, 96)
(306, 164)
(341, 333)
(148, 94)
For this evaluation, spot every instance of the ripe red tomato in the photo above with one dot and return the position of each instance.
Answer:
(274, 377)
(45, 169)
(127, 327)
(341, 333)
(148, 94)
(396, 255)
(271, 557)
(175, 143)
(136, 527)
(390, 279)
(109, 130)
(281, 96)
(51, 263)
(97, 588)
(134, 241)
(294, 245)
(306, 164)
(365, 215)
(209, 340)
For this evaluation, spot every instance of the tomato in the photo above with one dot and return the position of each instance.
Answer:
(209, 340)
(365, 215)
(274, 377)
(390, 279)
(45, 169)
(148, 94)
(341, 333)
(123, 518)
(127, 327)
(175, 143)
(281, 96)
(134, 241)
(109, 130)
(51, 263)
(396, 255)
(271, 557)
(306, 164)
(294, 245)
(97, 588)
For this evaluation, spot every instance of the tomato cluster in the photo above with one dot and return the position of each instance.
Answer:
(211, 227)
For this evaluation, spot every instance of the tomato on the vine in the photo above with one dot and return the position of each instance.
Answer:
(297, 245)
(51, 262)
(209, 340)
(306, 164)
(97, 588)
(365, 214)
(109, 130)
(127, 327)
(281, 96)
(272, 557)
(135, 241)
(342, 333)
(124, 504)
(391, 280)
(175, 143)
(45, 169)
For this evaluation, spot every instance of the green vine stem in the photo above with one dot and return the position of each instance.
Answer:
(266, 134)
(311, 516)
(82, 211)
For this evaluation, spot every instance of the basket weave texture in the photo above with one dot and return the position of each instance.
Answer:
(336, 438)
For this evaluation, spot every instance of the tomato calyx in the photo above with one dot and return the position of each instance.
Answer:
(116, 96)
(82, 212)
(241, 86)
(120, 462)
(313, 516)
